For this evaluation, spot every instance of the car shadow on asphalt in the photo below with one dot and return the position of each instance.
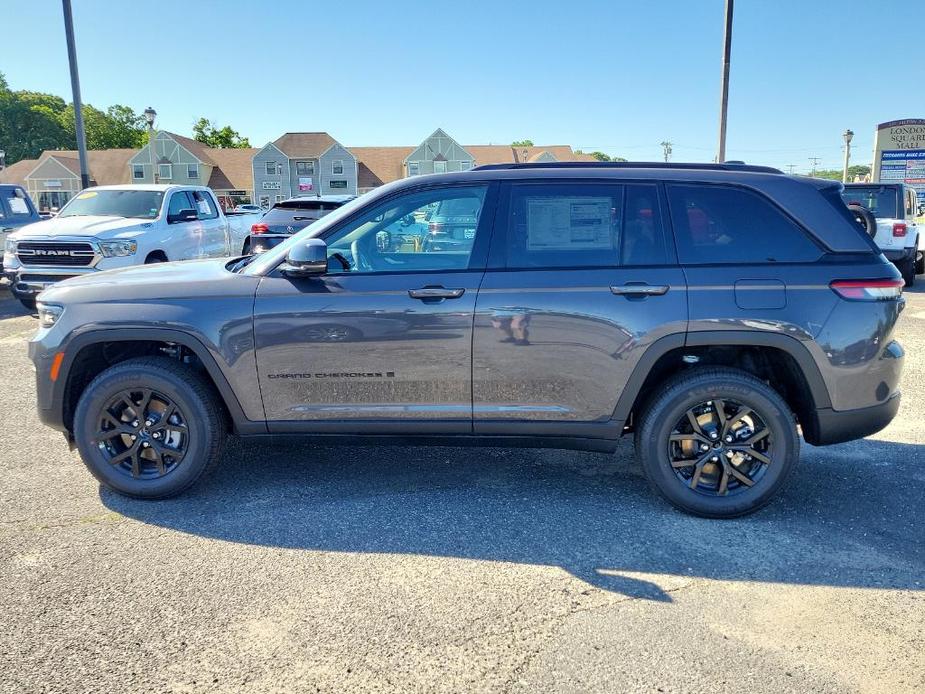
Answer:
(850, 516)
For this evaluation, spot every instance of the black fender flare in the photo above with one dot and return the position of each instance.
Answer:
(746, 338)
(83, 340)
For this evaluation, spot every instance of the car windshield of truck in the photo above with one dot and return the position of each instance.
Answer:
(881, 201)
(137, 204)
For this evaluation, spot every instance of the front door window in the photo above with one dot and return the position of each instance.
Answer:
(429, 230)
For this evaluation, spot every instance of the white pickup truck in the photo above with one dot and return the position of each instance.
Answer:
(113, 226)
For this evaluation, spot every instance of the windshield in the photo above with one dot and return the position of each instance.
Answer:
(881, 201)
(271, 258)
(139, 204)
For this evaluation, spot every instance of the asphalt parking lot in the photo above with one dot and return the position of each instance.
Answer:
(458, 570)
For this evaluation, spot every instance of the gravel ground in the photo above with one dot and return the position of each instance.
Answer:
(457, 570)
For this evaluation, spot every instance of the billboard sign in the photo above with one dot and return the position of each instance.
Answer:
(899, 154)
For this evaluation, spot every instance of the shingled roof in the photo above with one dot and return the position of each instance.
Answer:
(16, 173)
(232, 169)
(107, 166)
(377, 166)
(304, 145)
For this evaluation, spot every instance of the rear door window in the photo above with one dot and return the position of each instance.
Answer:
(719, 224)
(582, 225)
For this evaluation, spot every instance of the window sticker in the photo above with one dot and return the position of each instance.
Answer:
(18, 206)
(577, 223)
(87, 195)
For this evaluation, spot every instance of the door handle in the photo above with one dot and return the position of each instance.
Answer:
(640, 290)
(435, 293)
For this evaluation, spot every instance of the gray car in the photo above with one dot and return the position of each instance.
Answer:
(715, 312)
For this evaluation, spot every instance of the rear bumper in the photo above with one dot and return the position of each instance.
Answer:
(900, 255)
(837, 426)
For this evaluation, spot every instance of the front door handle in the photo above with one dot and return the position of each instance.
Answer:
(640, 290)
(426, 293)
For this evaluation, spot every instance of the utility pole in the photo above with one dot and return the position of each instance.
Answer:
(666, 145)
(724, 99)
(815, 162)
(791, 167)
(75, 88)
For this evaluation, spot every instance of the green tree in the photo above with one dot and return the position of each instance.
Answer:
(118, 128)
(522, 143)
(600, 156)
(205, 131)
(835, 174)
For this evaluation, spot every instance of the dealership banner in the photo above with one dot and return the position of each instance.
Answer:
(899, 153)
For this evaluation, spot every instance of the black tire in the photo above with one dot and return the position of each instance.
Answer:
(197, 407)
(663, 415)
(865, 218)
(920, 264)
(907, 270)
(246, 250)
(28, 304)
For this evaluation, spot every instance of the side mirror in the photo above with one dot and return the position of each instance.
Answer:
(182, 216)
(307, 259)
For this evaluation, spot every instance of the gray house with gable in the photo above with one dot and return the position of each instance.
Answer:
(303, 164)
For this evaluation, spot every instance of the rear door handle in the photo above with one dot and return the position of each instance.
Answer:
(436, 293)
(640, 290)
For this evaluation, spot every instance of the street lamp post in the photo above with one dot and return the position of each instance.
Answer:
(150, 114)
(75, 89)
(724, 88)
(847, 135)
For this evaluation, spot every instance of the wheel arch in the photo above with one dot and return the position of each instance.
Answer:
(781, 359)
(86, 348)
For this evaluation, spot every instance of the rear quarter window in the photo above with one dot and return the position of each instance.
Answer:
(14, 204)
(719, 224)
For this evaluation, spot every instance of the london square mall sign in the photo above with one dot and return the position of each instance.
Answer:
(899, 154)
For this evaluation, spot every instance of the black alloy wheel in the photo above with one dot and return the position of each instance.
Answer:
(143, 433)
(720, 447)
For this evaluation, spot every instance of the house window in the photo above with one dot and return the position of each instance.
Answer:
(271, 168)
(305, 168)
(165, 171)
(192, 170)
(465, 165)
(414, 168)
(440, 167)
(337, 167)
(138, 171)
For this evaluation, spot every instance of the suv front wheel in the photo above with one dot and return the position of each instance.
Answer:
(717, 442)
(149, 427)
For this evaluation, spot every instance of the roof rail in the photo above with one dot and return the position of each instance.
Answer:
(728, 166)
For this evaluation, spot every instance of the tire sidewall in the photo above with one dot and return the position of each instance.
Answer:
(86, 421)
(654, 448)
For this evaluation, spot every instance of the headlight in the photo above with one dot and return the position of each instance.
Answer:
(115, 249)
(9, 245)
(48, 314)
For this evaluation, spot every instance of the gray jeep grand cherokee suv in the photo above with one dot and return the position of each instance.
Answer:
(708, 309)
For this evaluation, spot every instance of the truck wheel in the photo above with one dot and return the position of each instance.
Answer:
(907, 270)
(246, 249)
(920, 263)
(717, 442)
(149, 428)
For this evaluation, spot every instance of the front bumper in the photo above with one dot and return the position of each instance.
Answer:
(28, 282)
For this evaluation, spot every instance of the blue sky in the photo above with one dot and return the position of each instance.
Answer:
(619, 76)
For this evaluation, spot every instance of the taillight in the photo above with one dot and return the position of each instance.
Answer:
(260, 228)
(899, 229)
(868, 290)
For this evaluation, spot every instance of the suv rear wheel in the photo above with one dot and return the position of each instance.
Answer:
(149, 427)
(907, 270)
(717, 442)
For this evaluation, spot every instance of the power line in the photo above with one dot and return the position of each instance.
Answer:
(815, 162)
(666, 147)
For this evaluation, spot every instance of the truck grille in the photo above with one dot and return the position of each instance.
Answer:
(52, 253)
